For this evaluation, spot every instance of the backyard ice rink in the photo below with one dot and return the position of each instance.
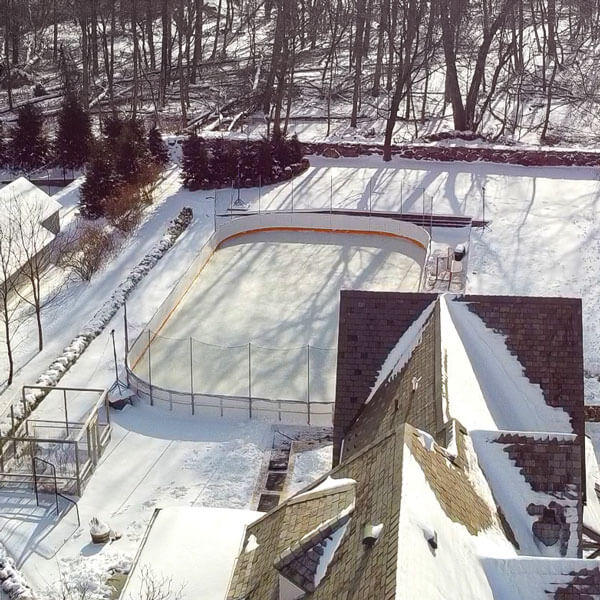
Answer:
(278, 291)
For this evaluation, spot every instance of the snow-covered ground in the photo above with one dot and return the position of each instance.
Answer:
(543, 239)
(151, 462)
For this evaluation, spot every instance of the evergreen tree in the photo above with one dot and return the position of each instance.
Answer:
(223, 162)
(264, 160)
(248, 161)
(112, 129)
(195, 162)
(29, 146)
(295, 150)
(132, 155)
(100, 185)
(74, 135)
(158, 147)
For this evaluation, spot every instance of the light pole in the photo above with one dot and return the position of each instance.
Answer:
(483, 204)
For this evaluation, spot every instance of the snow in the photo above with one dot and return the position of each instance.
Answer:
(591, 509)
(514, 494)
(402, 351)
(195, 547)
(30, 197)
(531, 578)
(454, 569)
(486, 384)
(151, 462)
(330, 546)
(308, 466)
(543, 240)
(328, 485)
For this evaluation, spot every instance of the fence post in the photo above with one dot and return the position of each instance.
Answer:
(66, 413)
(150, 367)
(250, 379)
(12, 427)
(192, 372)
(308, 382)
(77, 467)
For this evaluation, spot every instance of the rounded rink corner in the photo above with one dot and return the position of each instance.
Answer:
(238, 336)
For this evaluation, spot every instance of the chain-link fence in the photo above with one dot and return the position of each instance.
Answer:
(291, 384)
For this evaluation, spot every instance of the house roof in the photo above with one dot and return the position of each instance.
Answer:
(516, 362)
(390, 474)
(490, 508)
(34, 198)
(23, 209)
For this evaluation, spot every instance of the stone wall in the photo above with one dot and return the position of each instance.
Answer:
(513, 156)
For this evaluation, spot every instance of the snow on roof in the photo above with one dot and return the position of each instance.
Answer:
(195, 547)
(30, 195)
(533, 578)
(452, 570)
(486, 387)
(515, 495)
(32, 207)
(402, 351)
(327, 486)
(591, 510)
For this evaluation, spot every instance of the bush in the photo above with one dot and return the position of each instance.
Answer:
(157, 147)
(91, 247)
(195, 162)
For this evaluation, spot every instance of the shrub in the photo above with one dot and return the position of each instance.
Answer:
(90, 248)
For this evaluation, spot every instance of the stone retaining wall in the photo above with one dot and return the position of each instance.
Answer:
(529, 157)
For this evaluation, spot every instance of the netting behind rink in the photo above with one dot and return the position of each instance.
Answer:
(288, 384)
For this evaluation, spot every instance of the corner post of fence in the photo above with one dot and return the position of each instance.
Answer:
(192, 373)
(77, 468)
(308, 382)
(66, 413)
(250, 380)
(150, 367)
(126, 329)
(35, 486)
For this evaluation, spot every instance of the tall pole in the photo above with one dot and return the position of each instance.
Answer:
(250, 379)
(259, 192)
(215, 210)
(370, 199)
(192, 372)
(423, 199)
(401, 194)
(112, 335)
(483, 204)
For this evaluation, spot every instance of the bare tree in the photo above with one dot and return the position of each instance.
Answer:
(9, 300)
(157, 587)
(32, 249)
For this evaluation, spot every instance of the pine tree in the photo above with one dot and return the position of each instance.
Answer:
(158, 147)
(74, 135)
(195, 162)
(295, 150)
(29, 146)
(223, 162)
(128, 144)
(248, 161)
(100, 185)
(264, 160)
